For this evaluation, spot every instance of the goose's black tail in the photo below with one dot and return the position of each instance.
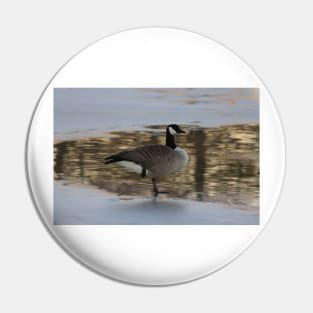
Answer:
(112, 159)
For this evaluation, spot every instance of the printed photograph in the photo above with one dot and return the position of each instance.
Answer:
(156, 156)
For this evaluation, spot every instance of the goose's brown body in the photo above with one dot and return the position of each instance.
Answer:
(157, 160)
(154, 160)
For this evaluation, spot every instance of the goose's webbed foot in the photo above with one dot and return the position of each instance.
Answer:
(155, 188)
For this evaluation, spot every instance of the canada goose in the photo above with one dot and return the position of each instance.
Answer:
(154, 160)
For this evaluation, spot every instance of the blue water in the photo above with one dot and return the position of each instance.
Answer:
(90, 111)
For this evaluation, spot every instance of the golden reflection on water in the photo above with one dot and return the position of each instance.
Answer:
(223, 164)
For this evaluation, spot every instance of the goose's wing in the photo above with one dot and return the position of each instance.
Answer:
(147, 156)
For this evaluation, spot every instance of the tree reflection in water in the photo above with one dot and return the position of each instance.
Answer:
(223, 164)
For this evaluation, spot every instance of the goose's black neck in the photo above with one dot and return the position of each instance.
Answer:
(170, 140)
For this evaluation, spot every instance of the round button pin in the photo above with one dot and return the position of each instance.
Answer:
(155, 156)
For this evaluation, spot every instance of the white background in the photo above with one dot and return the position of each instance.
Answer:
(275, 273)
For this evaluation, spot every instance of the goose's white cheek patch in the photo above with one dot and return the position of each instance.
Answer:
(172, 130)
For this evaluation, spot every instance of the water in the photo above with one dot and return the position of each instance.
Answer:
(220, 185)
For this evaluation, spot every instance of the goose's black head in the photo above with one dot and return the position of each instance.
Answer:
(172, 130)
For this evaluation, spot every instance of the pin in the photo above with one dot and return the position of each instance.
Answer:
(155, 156)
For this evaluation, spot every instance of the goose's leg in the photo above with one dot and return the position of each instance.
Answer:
(155, 189)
